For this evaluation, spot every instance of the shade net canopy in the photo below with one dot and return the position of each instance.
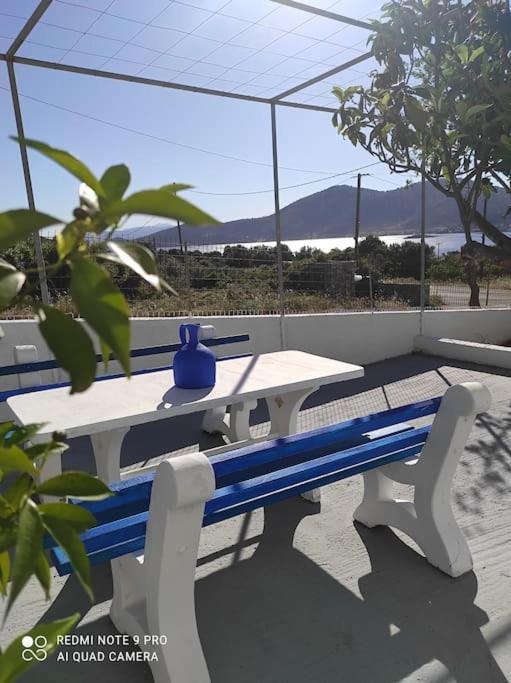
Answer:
(261, 49)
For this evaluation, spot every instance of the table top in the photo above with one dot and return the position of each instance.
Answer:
(120, 402)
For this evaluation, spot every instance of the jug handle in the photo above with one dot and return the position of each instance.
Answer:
(193, 334)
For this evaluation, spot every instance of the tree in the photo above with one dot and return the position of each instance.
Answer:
(439, 105)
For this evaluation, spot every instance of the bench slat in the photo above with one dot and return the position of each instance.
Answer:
(133, 494)
(312, 473)
(110, 540)
(251, 461)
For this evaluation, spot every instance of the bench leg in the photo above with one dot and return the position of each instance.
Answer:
(235, 424)
(159, 601)
(429, 519)
(107, 453)
(284, 421)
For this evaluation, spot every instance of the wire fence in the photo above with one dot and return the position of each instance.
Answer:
(228, 280)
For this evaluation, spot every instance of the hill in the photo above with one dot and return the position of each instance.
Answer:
(331, 213)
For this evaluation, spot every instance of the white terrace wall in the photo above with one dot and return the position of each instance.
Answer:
(357, 337)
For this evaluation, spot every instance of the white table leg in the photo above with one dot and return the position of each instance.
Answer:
(52, 468)
(235, 424)
(284, 421)
(107, 453)
(214, 420)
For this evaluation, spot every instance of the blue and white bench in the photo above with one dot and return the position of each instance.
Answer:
(150, 529)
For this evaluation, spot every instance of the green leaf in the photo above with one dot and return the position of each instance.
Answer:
(176, 187)
(476, 109)
(115, 181)
(11, 281)
(140, 259)
(13, 459)
(42, 571)
(28, 546)
(159, 203)
(70, 542)
(46, 449)
(5, 571)
(5, 430)
(79, 518)
(13, 665)
(20, 488)
(75, 484)
(18, 224)
(462, 52)
(18, 434)
(73, 165)
(70, 237)
(7, 539)
(415, 113)
(71, 345)
(476, 53)
(103, 306)
(6, 509)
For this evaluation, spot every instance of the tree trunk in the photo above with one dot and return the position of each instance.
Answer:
(471, 275)
(474, 293)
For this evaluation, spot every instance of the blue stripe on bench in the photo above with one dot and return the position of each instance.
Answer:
(135, 353)
(258, 475)
(121, 536)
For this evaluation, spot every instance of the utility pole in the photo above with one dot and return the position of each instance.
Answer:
(357, 212)
(180, 236)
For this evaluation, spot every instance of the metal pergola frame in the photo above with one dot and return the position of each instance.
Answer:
(11, 58)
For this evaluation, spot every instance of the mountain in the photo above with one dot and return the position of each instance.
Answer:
(139, 233)
(331, 213)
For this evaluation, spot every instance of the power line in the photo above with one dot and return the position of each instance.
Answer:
(205, 151)
(288, 187)
(162, 139)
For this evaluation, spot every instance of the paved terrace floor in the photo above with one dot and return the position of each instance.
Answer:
(316, 598)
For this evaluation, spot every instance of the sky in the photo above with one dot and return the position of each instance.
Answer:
(221, 146)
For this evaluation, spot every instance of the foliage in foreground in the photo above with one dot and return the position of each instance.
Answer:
(27, 524)
(103, 208)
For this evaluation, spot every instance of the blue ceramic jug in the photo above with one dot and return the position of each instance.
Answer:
(194, 364)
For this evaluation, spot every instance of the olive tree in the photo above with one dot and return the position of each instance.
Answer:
(439, 105)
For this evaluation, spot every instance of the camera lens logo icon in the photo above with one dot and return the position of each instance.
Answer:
(34, 648)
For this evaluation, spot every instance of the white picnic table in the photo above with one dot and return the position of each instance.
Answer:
(111, 407)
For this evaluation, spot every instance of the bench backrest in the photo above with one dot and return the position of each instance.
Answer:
(38, 366)
(258, 475)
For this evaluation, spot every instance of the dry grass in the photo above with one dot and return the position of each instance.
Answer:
(229, 301)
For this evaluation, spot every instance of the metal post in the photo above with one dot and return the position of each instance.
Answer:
(278, 230)
(485, 211)
(45, 295)
(423, 251)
